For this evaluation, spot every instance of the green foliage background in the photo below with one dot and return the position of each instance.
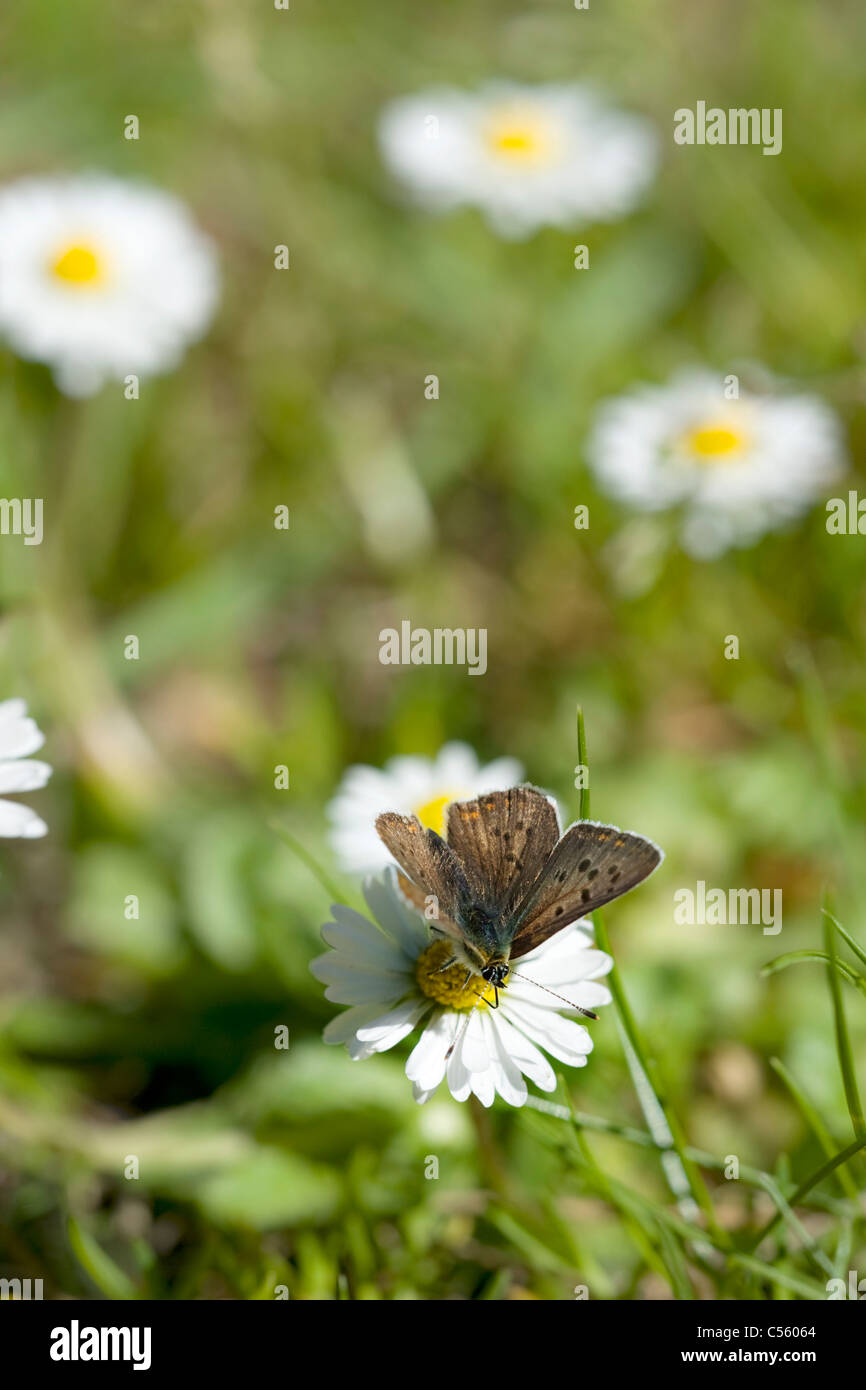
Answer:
(259, 647)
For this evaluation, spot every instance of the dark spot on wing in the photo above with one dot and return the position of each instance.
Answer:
(584, 865)
(585, 895)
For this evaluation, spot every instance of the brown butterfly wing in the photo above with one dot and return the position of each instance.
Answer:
(417, 898)
(503, 841)
(414, 895)
(425, 858)
(591, 865)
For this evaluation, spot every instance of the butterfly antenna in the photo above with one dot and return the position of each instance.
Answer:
(587, 1013)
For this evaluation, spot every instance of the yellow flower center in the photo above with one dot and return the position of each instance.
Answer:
(450, 987)
(432, 813)
(715, 443)
(519, 136)
(78, 265)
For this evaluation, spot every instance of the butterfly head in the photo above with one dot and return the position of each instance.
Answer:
(496, 973)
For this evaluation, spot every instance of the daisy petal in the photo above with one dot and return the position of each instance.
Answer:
(427, 1062)
(25, 776)
(506, 1075)
(352, 984)
(473, 1044)
(19, 736)
(526, 1055)
(20, 822)
(393, 1026)
(356, 939)
(458, 1076)
(567, 1041)
(345, 1026)
(402, 923)
(484, 1086)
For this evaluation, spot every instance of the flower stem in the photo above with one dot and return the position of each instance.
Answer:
(662, 1123)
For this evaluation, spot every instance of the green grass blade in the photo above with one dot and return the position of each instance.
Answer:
(101, 1268)
(843, 1041)
(584, 804)
(605, 1189)
(806, 1187)
(846, 936)
(642, 1071)
(774, 1275)
(676, 1263)
(675, 1140)
(815, 1123)
(334, 894)
(810, 953)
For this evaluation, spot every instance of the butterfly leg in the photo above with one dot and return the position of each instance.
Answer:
(452, 960)
(482, 994)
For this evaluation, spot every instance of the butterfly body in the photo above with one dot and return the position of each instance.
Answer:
(504, 879)
(475, 944)
(482, 926)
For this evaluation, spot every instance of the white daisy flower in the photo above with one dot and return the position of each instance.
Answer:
(19, 737)
(101, 278)
(528, 156)
(391, 977)
(413, 786)
(736, 468)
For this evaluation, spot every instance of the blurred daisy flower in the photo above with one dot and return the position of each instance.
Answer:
(391, 976)
(737, 467)
(413, 786)
(100, 278)
(528, 156)
(19, 737)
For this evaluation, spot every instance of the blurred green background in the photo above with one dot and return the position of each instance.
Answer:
(259, 647)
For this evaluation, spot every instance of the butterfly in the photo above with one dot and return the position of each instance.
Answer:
(504, 879)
